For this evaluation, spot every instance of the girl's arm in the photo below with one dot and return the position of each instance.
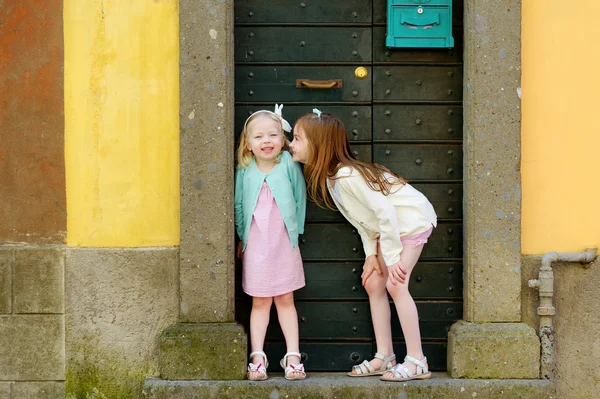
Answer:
(239, 204)
(386, 216)
(299, 190)
(369, 244)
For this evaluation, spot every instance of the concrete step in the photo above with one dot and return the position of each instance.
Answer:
(340, 386)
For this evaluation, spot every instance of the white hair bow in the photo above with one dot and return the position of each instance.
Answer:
(284, 124)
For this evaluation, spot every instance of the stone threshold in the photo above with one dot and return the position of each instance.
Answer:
(340, 386)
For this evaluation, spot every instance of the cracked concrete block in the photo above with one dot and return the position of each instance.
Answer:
(6, 262)
(38, 281)
(5, 390)
(32, 347)
(203, 351)
(493, 350)
(38, 390)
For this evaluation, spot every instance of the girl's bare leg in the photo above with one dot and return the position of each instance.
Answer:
(288, 320)
(259, 321)
(406, 308)
(380, 313)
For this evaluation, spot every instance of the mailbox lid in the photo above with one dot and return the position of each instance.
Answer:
(412, 24)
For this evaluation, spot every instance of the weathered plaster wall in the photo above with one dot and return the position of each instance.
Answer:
(32, 200)
(122, 174)
(576, 324)
(560, 179)
(32, 180)
(121, 123)
(560, 126)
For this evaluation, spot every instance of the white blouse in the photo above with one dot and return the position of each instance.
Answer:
(403, 212)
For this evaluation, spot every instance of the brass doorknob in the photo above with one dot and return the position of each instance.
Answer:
(361, 72)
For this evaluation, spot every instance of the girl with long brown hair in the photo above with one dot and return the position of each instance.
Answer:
(394, 221)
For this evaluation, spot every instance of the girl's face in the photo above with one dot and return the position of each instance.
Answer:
(299, 146)
(265, 139)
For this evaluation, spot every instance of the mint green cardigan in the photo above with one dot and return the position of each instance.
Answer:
(287, 185)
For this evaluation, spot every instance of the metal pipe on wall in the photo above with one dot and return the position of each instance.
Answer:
(545, 285)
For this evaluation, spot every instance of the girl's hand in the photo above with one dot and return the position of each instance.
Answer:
(371, 265)
(396, 273)
(239, 250)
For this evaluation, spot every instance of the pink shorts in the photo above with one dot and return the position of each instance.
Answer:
(416, 239)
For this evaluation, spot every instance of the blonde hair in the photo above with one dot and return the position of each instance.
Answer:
(328, 151)
(244, 155)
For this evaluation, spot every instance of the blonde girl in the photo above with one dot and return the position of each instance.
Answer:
(394, 221)
(270, 205)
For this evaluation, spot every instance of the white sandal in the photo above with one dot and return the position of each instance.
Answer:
(401, 373)
(292, 368)
(261, 368)
(366, 370)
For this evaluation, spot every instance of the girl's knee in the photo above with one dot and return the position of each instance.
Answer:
(397, 290)
(261, 303)
(375, 285)
(285, 300)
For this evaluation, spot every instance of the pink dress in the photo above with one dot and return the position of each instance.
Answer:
(271, 266)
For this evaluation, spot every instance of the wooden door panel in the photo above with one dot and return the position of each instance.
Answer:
(278, 84)
(421, 161)
(446, 198)
(352, 320)
(323, 356)
(406, 115)
(300, 44)
(417, 83)
(317, 214)
(363, 152)
(435, 319)
(336, 280)
(341, 242)
(294, 11)
(341, 355)
(394, 122)
(331, 242)
(445, 242)
(342, 281)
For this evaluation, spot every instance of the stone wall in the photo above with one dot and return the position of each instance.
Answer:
(117, 302)
(32, 322)
(576, 324)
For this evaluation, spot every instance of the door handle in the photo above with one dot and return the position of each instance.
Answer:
(318, 84)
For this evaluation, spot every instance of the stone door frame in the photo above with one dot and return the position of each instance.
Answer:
(492, 180)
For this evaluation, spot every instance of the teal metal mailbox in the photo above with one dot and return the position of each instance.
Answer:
(419, 24)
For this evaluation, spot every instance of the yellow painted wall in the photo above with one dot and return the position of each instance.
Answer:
(561, 125)
(122, 122)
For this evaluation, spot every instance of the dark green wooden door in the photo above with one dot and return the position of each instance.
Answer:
(407, 115)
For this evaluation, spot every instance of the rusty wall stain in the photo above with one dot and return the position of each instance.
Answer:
(32, 170)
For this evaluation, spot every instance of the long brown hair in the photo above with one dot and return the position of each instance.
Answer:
(328, 151)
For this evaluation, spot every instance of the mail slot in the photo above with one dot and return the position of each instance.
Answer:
(419, 24)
